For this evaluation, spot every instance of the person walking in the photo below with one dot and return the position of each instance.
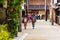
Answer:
(25, 20)
(33, 21)
(38, 16)
(30, 17)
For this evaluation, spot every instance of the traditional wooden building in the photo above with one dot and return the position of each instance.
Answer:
(58, 12)
(37, 6)
(55, 12)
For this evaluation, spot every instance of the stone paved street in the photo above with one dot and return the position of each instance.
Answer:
(43, 31)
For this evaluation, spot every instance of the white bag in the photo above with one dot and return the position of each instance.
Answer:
(25, 20)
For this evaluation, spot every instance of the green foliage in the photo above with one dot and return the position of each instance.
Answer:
(1, 11)
(2, 2)
(3, 27)
(4, 34)
(13, 10)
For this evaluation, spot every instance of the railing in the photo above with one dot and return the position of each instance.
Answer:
(37, 7)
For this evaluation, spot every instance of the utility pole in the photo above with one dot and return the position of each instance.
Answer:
(52, 12)
(20, 21)
(45, 10)
(26, 7)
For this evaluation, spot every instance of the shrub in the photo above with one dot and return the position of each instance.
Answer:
(4, 34)
(14, 7)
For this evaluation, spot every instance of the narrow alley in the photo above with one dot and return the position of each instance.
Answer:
(43, 31)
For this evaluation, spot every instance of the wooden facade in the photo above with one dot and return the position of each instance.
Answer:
(38, 2)
(55, 11)
(58, 14)
(37, 6)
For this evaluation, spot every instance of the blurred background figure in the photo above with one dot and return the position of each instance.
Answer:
(33, 21)
(30, 17)
(25, 20)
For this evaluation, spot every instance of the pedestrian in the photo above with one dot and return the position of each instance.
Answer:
(25, 20)
(33, 21)
(30, 17)
(38, 16)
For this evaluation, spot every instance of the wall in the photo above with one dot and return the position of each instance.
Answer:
(42, 12)
(38, 2)
(54, 14)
